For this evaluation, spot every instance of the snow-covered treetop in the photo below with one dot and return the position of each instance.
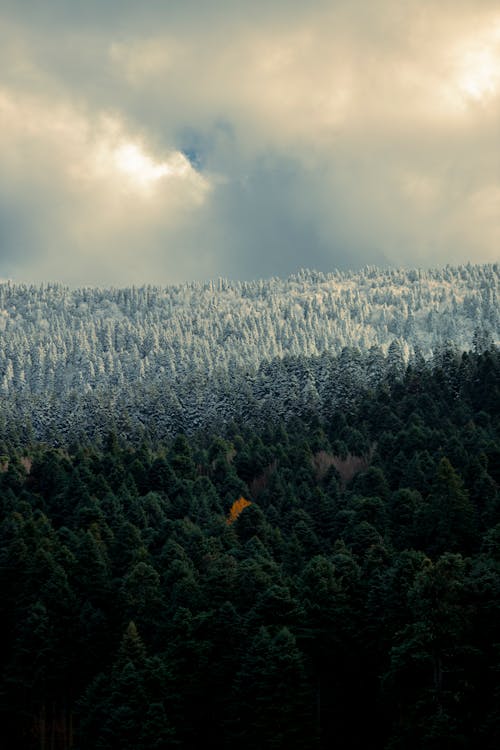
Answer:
(57, 341)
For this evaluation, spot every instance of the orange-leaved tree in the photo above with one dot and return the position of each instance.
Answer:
(236, 509)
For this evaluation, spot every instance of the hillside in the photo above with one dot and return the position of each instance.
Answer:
(181, 357)
(331, 583)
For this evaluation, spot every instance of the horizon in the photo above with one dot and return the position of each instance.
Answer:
(292, 276)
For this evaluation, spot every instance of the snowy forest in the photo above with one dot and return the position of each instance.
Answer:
(76, 363)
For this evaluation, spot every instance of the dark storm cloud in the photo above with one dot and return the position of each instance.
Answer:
(189, 139)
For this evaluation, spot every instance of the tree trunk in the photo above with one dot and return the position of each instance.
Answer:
(42, 726)
(53, 728)
(318, 710)
(438, 672)
(70, 730)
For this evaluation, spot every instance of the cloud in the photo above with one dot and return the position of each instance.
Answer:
(90, 191)
(162, 142)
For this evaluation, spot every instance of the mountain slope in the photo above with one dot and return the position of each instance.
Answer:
(143, 351)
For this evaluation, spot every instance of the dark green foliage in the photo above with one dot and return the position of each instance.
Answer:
(274, 706)
(337, 610)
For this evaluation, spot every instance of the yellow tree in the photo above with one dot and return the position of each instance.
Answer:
(237, 508)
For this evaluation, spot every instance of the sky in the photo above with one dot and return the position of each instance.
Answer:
(174, 140)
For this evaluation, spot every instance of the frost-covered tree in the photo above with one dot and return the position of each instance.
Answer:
(179, 356)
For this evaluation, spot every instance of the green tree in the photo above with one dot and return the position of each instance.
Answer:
(450, 514)
(273, 701)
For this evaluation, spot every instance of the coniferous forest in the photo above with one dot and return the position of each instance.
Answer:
(325, 580)
(79, 363)
(249, 375)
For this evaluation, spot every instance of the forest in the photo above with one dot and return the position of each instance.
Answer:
(78, 363)
(326, 578)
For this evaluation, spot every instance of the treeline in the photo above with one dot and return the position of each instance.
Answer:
(353, 600)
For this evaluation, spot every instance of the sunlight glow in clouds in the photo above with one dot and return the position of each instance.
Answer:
(481, 76)
(142, 170)
(98, 151)
(479, 66)
(127, 165)
(140, 167)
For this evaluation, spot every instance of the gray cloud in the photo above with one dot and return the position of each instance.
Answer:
(321, 135)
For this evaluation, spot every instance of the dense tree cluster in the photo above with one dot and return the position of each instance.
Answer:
(354, 601)
(86, 361)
